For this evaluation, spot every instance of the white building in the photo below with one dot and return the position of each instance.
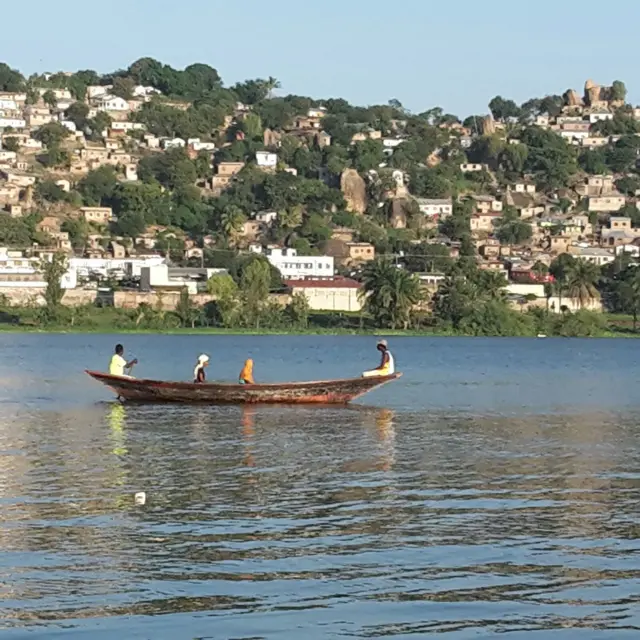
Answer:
(266, 159)
(104, 266)
(112, 103)
(173, 143)
(197, 145)
(598, 116)
(295, 267)
(435, 207)
(9, 105)
(127, 126)
(162, 276)
(14, 123)
(19, 272)
(595, 255)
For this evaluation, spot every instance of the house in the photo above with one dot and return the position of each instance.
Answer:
(323, 139)
(559, 244)
(266, 159)
(13, 123)
(295, 267)
(366, 134)
(435, 207)
(360, 252)
(49, 225)
(608, 203)
(618, 232)
(224, 173)
(173, 143)
(600, 115)
(487, 204)
(472, 167)
(266, 218)
(112, 103)
(61, 238)
(330, 294)
(117, 250)
(595, 255)
(524, 187)
(18, 178)
(594, 142)
(9, 194)
(484, 221)
(98, 91)
(152, 142)
(596, 185)
(97, 215)
(94, 153)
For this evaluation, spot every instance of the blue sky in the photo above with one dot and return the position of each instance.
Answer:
(456, 55)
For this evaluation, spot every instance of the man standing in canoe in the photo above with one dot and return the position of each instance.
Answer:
(387, 365)
(118, 364)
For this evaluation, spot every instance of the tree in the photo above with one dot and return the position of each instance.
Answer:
(49, 98)
(78, 113)
(252, 126)
(49, 191)
(389, 293)
(10, 79)
(51, 134)
(298, 311)
(549, 157)
(231, 222)
(123, 88)
(511, 230)
(618, 91)
(225, 290)
(11, 144)
(254, 286)
(53, 271)
(581, 282)
(627, 292)
(78, 230)
(130, 224)
(186, 311)
(502, 109)
(97, 187)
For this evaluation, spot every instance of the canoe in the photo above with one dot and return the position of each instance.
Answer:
(317, 392)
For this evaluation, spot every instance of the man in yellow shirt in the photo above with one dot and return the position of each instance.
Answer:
(118, 364)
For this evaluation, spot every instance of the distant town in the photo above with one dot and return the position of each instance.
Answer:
(158, 188)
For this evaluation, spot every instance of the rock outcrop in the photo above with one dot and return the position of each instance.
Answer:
(487, 126)
(572, 98)
(398, 216)
(354, 191)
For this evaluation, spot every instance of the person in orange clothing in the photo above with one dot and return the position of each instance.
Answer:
(246, 375)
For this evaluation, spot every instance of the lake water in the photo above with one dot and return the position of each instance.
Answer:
(493, 489)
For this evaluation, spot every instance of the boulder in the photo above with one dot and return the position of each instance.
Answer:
(487, 126)
(354, 191)
(572, 98)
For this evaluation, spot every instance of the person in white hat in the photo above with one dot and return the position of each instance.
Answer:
(387, 365)
(198, 373)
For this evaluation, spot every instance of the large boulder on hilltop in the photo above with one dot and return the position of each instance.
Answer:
(572, 98)
(592, 92)
(354, 190)
(487, 126)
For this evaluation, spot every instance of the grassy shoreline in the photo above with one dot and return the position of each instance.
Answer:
(409, 333)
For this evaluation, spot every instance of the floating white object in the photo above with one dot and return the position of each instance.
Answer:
(140, 498)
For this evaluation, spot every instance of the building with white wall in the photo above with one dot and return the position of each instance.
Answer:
(295, 267)
(131, 267)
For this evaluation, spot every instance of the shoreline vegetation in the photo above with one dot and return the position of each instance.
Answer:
(108, 320)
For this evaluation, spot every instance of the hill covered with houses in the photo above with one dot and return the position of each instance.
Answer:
(173, 190)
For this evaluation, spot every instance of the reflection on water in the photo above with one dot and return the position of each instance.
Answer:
(290, 522)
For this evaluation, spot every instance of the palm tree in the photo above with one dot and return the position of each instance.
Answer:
(581, 282)
(270, 84)
(290, 218)
(389, 293)
(231, 222)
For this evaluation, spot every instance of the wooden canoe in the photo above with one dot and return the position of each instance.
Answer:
(319, 392)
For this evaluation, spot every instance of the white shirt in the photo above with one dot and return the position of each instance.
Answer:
(117, 365)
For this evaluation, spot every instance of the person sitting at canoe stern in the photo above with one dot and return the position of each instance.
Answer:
(387, 365)
(246, 375)
(198, 373)
(118, 364)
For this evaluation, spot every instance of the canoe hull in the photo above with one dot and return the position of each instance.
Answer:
(319, 392)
